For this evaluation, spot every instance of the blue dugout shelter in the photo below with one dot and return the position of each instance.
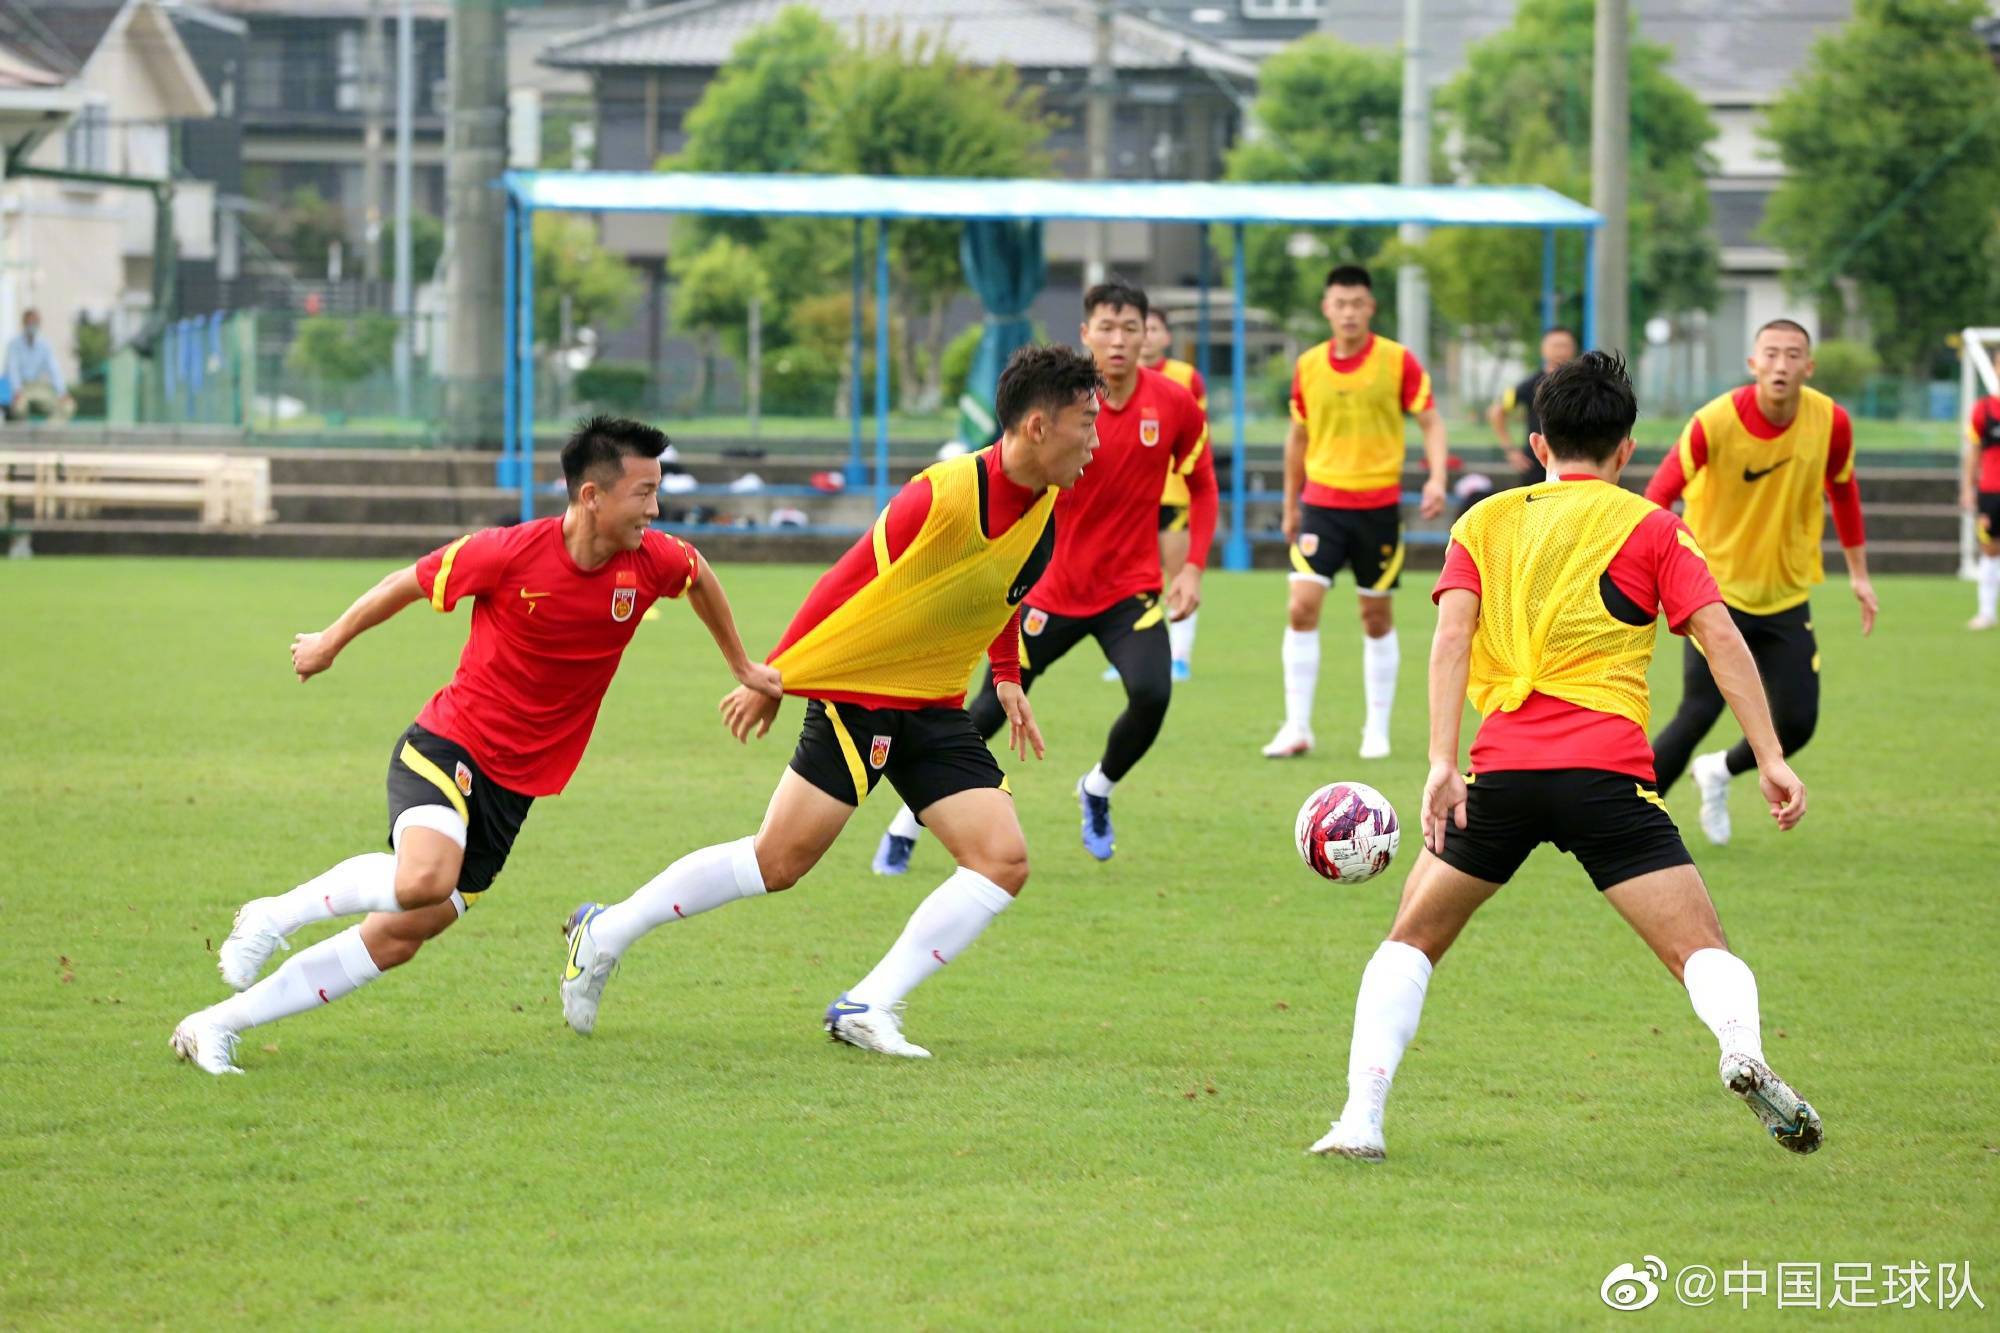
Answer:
(886, 199)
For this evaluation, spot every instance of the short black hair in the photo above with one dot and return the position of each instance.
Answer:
(1554, 329)
(1587, 407)
(602, 442)
(1791, 324)
(1044, 375)
(1154, 312)
(1117, 295)
(1348, 275)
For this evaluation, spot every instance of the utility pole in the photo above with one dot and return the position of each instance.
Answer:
(1610, 147)
(474, 216)
(1097, 136)
(1413, 295)
(373, 95)
(406, 96)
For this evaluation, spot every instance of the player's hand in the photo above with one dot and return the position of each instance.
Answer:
(1968, 497)
(1444, 798)
(1432, 504)
(311, 654)
(1290, 523)
(762, 678)
(1022, 733)
(1783, 791)
(1184, 594)
(1517, 459)
(745, 710)
(1864, 593)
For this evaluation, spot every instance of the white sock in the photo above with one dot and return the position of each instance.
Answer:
(365, 883)
(694, 884)
(1711, 767)
(1724, 994)
(1386, 1010)
(1180, 638)
(905, 824)
(939, 930)
(1095, 783)
(1989, 585)
(310, 978)
(1379, 660)
(1301, 658)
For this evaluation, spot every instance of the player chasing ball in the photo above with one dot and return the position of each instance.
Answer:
(1104, 580)
(1546, 612)
(1343, 500)
(555, 601)
(881, 650)
(1979, 494)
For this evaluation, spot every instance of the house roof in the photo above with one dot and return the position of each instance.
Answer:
(330, 9)
(65, 36)
(1709, 38)
(1049, 34)
(1224, 21)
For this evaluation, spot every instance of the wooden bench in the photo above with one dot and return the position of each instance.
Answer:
(222, 490)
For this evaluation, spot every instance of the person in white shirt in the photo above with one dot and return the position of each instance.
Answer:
(34, 376)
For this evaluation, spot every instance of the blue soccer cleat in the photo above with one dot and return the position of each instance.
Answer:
(1182, 672)
(1098, 839)
(871, 1027)
(892, 855)
(1110, 674)
(585, 970)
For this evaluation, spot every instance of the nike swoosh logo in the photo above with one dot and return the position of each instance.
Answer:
(570, 970)
(845, 1007)
(1754, 474)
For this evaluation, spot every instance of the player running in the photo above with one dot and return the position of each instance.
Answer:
(555, 601)
(1343, 500)
(1559, 345)
(881, 649)
(1104, 581)
(1753, 464)
(1545, 620)
(1176, 503)
(1980, 495)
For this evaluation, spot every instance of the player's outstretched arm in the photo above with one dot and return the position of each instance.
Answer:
(1451, 665)
(314, 653)
(1295, 480)
(1437, 462)
(711, 604)
(1735, 673)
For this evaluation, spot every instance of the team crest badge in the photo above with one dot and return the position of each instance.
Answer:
(623, 600)
(1033, 622)
(463, 777)
(1308, 543)
(878, 752)
(1149, 432)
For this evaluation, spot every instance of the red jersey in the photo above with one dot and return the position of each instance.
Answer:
(1843, 492)
(1005, 503)
(1983, 430)
(1108, 524)
(546, 639)
(1655, 571)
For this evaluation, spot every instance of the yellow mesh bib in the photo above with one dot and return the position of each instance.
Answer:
(1354, 419)
(917, 629)
(1756, 506)
(1176, 492)
(1543, 626)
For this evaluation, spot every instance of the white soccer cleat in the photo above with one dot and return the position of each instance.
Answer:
(253, 938)
(1361, 1142)
(205, 1044)
(1790, 1117)
(1982, 623)
(872, 1027)
(585, 971)
(1374, 745)
(1711, 778)
(1290, 742)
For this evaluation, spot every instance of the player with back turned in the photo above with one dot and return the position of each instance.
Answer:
(1546, 613)
(554, 602)
(1753, 465)
(882, 649)
(1979, 494)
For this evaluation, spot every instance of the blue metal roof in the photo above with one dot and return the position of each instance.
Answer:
(1135, 201)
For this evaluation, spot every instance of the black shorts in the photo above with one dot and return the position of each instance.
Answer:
(1132, 632)
(1174, 518)
(926, 753)
(1614, 824)
(426, 769)
(1989, 516)
(1369, 541)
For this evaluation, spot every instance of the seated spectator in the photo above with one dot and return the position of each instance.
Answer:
(32, 371)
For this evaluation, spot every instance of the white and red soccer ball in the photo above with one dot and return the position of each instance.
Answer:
(1347, 832)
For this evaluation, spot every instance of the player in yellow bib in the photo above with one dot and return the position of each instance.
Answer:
(1175, 500)
(1546, 613)
(882, 650)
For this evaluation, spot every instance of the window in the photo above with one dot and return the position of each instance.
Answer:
(347, 80)
(87, 142)
(1280, 9)
(146, 150)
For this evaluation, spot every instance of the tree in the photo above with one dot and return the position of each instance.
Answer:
(577, 281)
(1891, 143)
(1521, 113)
(303, 230)
(712, 294)
(426, 247)
(1326, 112)
(897, 106)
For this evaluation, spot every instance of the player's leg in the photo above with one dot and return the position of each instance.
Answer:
(1174, 544)
(1133, 635)
(1787, 657)
(1315, 557)
(1988, 569)
(1376, 550)
(1701, 704)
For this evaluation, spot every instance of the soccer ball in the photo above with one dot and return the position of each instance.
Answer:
(1347, 832)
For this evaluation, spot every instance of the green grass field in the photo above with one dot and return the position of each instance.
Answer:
(1129, 1063)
